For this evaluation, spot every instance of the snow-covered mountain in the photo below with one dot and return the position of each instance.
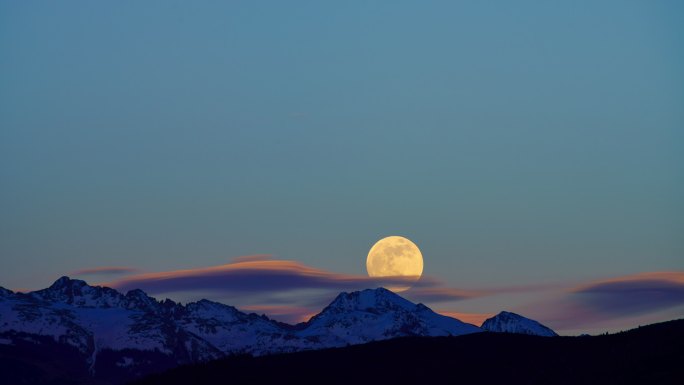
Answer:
(378, 314)
(507, 322)
(127, 333)
(93, 319)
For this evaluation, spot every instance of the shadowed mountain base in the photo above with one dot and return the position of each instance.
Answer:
(649, 355)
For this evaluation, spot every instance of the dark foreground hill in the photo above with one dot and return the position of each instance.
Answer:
(648, 355)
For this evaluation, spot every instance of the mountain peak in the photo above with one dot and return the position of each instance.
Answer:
(66, 282)
(138, 299)
(379, 298)
(509, 314)
(376, 314)
(207, 305)
(509, 322)
(79, 293)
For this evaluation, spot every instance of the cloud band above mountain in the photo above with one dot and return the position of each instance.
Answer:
(256, 275)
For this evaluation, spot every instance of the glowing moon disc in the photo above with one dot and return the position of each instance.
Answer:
(395, 257)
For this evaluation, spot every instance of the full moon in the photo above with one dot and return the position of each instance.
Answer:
(395, 257)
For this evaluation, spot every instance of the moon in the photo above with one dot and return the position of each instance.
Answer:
(395, 256)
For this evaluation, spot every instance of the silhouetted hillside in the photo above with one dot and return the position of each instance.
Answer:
(649, 355)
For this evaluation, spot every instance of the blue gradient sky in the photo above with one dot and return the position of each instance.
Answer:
(513, 143)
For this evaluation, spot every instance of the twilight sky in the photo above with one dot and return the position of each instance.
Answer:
(534, 152)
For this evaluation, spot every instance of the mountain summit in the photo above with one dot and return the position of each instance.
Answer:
(378, 314)
(507, 322)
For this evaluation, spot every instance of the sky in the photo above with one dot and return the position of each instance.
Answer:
(533, 151)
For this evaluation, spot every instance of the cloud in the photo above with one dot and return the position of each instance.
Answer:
(256, 275)
(106, 270)
(634, 294)
(644, 297)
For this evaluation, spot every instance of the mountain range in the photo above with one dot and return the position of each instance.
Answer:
(114, 337)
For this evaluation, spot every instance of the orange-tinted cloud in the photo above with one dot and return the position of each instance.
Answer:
(106, 270)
